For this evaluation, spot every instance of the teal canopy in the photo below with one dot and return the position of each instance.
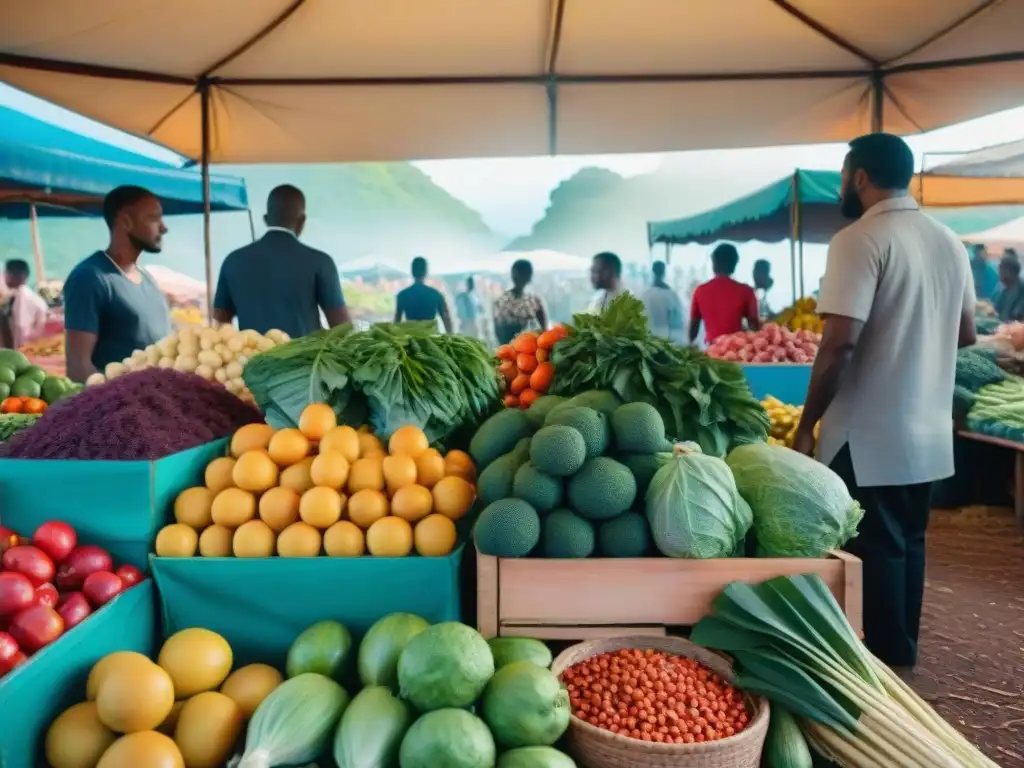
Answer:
(767, 215)
(68, 174)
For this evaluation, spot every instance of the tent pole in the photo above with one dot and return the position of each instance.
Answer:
(877, 101)
(37, 244)
(252, 224)
(800, 247)
(795, 237)
(668, 253)
(204, 96)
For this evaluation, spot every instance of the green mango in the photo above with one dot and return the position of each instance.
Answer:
(52, 389)
(5, 391)
(35, 373)
(7, 375)
(25, 387)
(13, 359)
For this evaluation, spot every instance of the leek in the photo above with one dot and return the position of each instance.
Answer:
(792, 644)
(294, 724)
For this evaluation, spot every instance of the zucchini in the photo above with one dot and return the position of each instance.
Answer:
(785, 746)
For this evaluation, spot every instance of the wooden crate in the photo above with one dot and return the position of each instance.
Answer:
(608, 597)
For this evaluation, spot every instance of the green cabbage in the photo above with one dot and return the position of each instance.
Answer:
(693, 506)
(801, 507)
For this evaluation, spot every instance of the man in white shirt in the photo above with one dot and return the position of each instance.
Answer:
(24, 308)
(606, 277)
(664, 309)
(898, 300)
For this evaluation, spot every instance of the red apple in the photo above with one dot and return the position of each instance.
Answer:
(16, 593)
(79, 564)
(36, 627)
(31, 561)
(46, 594)
(56, 539)
(130, 575)
(102, 587)
(73, 607)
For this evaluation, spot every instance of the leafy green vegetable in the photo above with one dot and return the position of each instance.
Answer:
(389, 375)
(12, 423)
(693, 506)
(699, 399)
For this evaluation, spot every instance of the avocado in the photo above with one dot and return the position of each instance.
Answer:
(25, 387)
(13, 359)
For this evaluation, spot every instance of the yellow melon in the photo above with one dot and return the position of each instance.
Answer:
(232, 507)
(111, 662)
(316, 420)
(209, 724)
(279, 508)
(435, 536)
(369, 444)
(255, 471)
(253, 539)
(215, 541)
(454, 497)
(412, 503)
(367, 506)
(218, 474)
(297, 477)
(249, 685)
(342, 439)
(344, 539)
(298, 540)
(77, 738)
(251, 437)
(135, 697)
(399, 471)
(321, 507)
(429, 468)
(287, 447)
(330, 469)
(145, 749)
(177, 540)
(389, 537)
(192, 507)
(408, 441)
(366, 473)
(196, 659)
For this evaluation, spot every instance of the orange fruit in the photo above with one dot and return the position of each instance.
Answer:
(218, 474)
(299, 540)
(251, 437)
(408, 441)
(367, 507)
(435, 536)
(367, 472)
(342, 439)
(460, 464)
(287, 447)
(192, 507)
(412, 503)
(321, 507)
(453, 497)
(232, 507)
(298, 477)
(316, 420)
(330, 469)
(253, 539)
(215, 541)
(344, 539)
(429, 469)
(176, 540)
(369, 444)
(399, 471)
(279, 508)
(389, 537)
(255, 471)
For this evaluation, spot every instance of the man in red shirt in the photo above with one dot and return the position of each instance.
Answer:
(722, 303)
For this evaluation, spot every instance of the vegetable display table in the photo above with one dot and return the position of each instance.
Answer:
(1018, 469)
(608, 597)
(787, 382)
(118, 505)
(34, 693)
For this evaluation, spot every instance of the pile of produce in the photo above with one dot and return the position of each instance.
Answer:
(44, 346)
(13, 423)
(792, 644)
(215, 354)
(998, 410)
(771, 344)
(598, 477)
(785, 421)
(27, 388)
(323, 489)
(388, 376)
(700, 399)
(144, 415)
(526, 366)
(655, 696)
(802, 315)
(418, 687)
(975, 368)
(48, 584)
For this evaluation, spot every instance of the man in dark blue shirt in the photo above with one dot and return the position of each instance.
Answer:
(279, 282)
(421, 302)
(113, 307)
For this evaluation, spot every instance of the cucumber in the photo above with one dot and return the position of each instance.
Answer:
(785, 746)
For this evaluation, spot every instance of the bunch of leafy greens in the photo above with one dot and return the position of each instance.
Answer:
(703, 400)
(387, 376)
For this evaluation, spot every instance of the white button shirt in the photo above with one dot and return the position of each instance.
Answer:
(908, 278)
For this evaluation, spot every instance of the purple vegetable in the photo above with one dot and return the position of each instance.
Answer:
(144, 415)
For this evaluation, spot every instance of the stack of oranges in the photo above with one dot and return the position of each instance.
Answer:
(527, 367)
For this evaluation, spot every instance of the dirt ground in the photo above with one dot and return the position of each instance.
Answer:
(971, 663)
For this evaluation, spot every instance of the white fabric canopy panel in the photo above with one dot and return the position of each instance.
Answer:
(355, 80)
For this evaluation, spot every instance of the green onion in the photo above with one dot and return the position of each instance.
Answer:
(792, 644)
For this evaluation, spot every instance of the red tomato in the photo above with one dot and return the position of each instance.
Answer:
(130, 575)
(102, 587)
(16, 593)
(56, 539)
(80, 563)
(73, 607)
(31, 561)
(11, 405)
(36, 627)
(46, 594)
(9, 651)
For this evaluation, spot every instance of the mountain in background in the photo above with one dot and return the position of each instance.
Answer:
(354, 211)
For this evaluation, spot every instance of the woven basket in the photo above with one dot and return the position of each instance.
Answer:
(597, 748)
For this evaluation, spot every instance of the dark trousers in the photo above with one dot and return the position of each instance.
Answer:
(890, 541)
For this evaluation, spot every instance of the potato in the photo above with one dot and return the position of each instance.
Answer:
(210, 358)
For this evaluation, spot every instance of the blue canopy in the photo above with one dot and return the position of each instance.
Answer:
(65, 173)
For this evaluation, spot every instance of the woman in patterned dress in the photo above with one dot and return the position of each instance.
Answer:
(517, 310)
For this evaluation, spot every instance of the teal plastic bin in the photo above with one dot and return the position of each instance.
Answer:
(787, 382)
(260, 605)
(118, 505)
(51, 681)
